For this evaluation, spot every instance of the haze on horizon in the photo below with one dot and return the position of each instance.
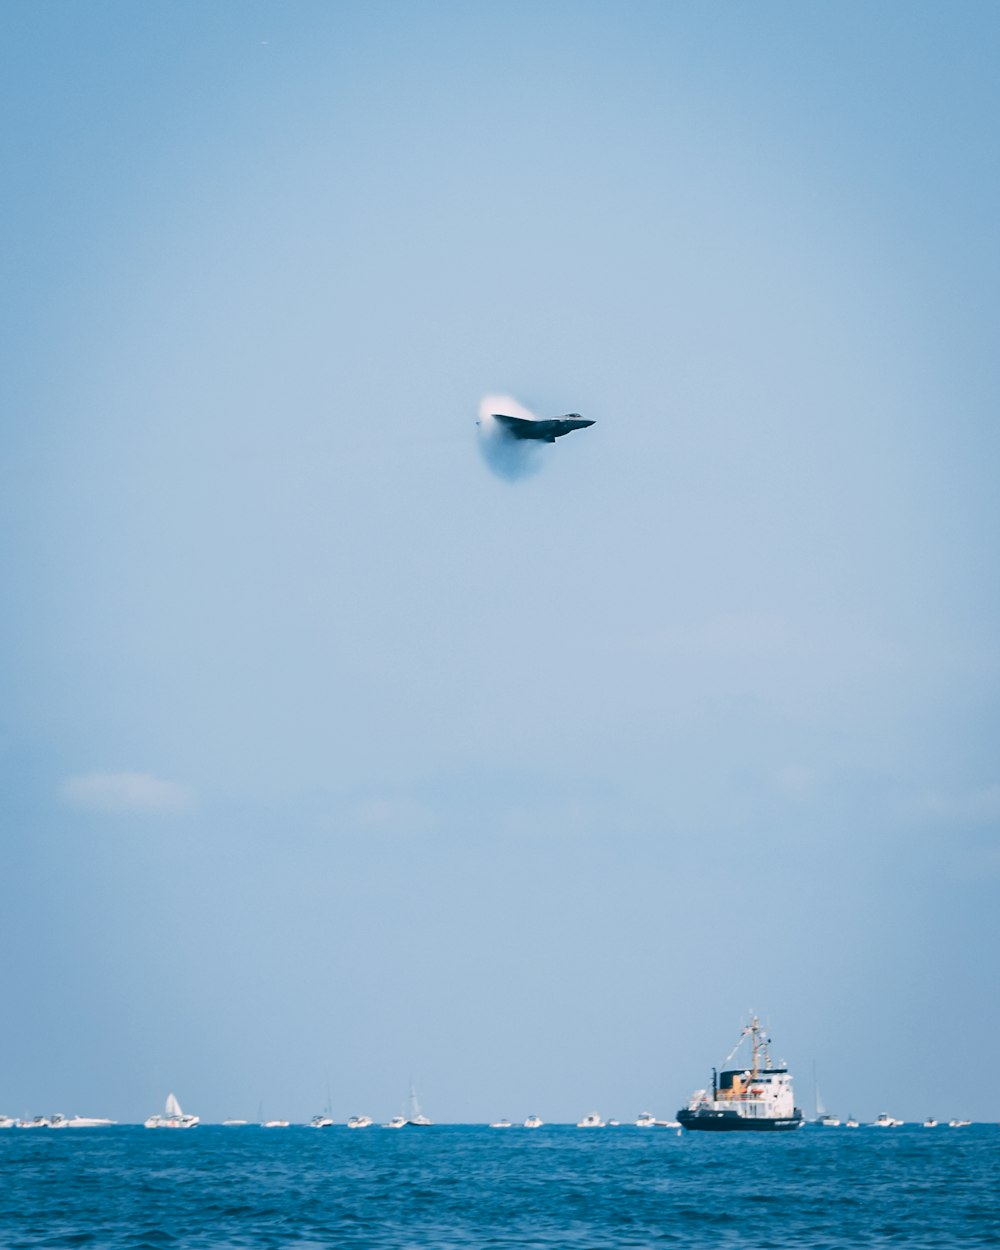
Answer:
(327, 757)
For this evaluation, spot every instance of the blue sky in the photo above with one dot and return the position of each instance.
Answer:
(329, 756)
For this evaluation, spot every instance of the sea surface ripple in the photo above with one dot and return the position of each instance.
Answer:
(456, 1187)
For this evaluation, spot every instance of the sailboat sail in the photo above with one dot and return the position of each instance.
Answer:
(173, 1106)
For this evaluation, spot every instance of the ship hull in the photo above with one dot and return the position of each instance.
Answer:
(733, 1122)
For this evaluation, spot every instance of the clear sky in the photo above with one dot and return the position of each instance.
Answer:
(329, 756)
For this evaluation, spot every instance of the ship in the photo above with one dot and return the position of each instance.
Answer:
(757, 1098)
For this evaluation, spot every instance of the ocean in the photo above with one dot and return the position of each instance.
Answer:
(458, 1187)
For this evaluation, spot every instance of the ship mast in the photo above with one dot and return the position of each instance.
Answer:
(759, 1047)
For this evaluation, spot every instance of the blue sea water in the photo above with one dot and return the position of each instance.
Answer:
(459, 1187)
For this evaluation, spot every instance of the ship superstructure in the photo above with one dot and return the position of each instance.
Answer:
(755, 1098)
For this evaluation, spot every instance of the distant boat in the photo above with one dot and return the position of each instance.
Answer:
(533, 1121)
(7, 1121)
(822, 1115)
(275, 1124)
(754, 1098)
(501, 1124)
(668, 1124)
(397, 1121)
(415, 1116)
(850, 1122)
(593, 1120)
(321, 1121)
(360, 1121)
(645, 1119)
(930, 1123)
(78, 1121)
(959, 1123)
(614, 1123)
(885, 1120)
(174, 1117)
(39, 1121)
(234, 1123)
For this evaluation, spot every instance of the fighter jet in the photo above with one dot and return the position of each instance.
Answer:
(547, 431)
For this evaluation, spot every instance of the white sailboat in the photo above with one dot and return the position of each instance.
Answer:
(174, 1117)
(823, 1117)
(414, 1115)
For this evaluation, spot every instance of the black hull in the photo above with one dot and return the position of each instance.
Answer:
(733, 1122)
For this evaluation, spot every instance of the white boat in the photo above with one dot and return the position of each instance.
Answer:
(850, 1122)
(885, 1120)
(930, 1123)
(234, 1123)
(415, 1116)
(397, 1121)
(645, 1119)
(39, 1121)
(80, 1121)
(275, 1124)
(668, 1123)
(321, 1121)
(823, 1117)
(501, 1124)
(756, 1097)
(173, 1118)
(361, 1121)
(7, 1121)
(959, 1123)
(614, 1123)
(533, 1121)
(593, 1120)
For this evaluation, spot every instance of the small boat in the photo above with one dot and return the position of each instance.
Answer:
(397, 1121)
(614, 1124)
(668, 1124)
(321, 1121)
(757, 1097)
(645, 1119)
(850, 1122)
(173, 1118)
(275, 1124)
(501, 1124)
(414, 1116)
(533, 1121)
(7, 1121)
(959, 1123)
(81, 1121)
(39, 1121)
(885, 1120)
(360, 1121)
(823, 1117)
(593, 1120)
(930, 1122)
(234, 1123)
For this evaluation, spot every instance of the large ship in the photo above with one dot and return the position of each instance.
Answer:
(756, 1098)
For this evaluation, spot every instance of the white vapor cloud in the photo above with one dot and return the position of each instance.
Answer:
(507, 456)
(126, 792)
